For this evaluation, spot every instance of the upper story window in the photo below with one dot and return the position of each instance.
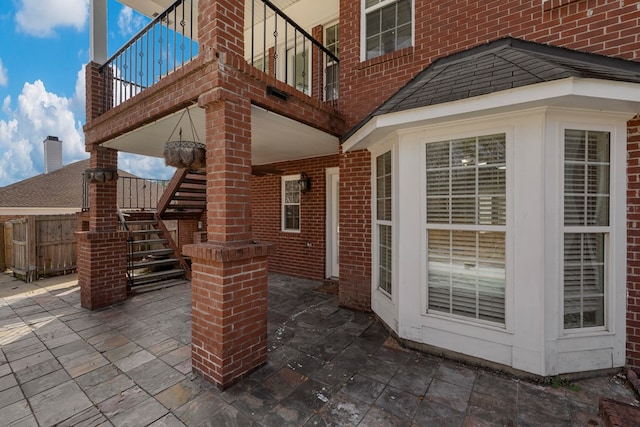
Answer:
(290, 203)
(387, 26)
(331, 42)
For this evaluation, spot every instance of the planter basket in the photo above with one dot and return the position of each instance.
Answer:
(187, 154)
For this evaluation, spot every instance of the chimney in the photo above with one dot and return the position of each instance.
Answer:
(52, 154)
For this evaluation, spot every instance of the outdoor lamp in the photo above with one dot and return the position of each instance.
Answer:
(304, 182)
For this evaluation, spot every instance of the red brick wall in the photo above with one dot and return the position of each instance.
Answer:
(293, 255)
(633, 243)
(355, 230)
(444, 27)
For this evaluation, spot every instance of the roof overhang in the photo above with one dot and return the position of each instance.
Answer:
(576, 93)
(274, 138)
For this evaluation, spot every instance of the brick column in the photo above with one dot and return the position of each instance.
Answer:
(229, 271)
(633, 243)
(102, 249)
(355, 230)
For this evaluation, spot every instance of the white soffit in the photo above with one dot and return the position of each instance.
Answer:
(576, 93)
(274, 138)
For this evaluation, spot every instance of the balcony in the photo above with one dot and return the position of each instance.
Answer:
(293, 104)
(274, 44)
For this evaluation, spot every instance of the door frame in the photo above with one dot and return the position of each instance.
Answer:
(332, 222)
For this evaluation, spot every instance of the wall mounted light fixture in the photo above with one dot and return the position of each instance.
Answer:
(304, 182)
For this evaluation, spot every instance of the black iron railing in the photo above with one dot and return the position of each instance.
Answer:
(133, 193)
(274, 43)
(165, 44)
(280, 47)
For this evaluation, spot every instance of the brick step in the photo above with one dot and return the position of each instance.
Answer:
(619, 414)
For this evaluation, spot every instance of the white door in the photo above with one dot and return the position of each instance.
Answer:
(333, 228)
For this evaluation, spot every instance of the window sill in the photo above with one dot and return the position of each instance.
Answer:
(501, 328)
(407, 51)
(585, 333)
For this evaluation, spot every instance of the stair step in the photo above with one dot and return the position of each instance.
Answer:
(154, 263)
(169, 215)
(201, 189)
(184, 207)
(158, 285)
(192, 198)
(142, 222)
(153, 252)
(149, 241)
(140, 279)
(148, 231)
(195, 181)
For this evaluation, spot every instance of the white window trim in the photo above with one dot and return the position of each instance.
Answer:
(610, 235)
(327, 62)
(285, 179)
(474, 128)
(389, 298)
(363, 26)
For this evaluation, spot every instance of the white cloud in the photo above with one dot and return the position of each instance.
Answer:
(38, 113)
(144, 166)
(129, 22)
(4, 75)
(40, 18)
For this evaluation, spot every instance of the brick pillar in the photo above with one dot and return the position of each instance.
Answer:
(355, 230)
(317, 64)
(102, 249)
(633, 243)
(229, 271)
(99, 94)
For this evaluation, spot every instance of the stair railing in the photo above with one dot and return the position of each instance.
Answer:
(130, 241)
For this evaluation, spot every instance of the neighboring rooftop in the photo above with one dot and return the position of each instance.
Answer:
(500, 65)
(61, 188)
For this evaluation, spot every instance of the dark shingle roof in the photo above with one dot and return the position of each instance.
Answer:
(500, 65)
(61, 188)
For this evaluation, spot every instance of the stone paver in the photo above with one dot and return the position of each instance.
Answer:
(130, 364)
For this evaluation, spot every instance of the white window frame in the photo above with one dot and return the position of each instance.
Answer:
(606, 231)
(300, 47)
(330, 63)
(283, 204)
(505, 228)
(363, 25)
(375, 253)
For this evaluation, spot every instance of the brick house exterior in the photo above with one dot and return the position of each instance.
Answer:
(252, 219)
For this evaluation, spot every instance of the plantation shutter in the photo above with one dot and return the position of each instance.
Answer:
(466, 186)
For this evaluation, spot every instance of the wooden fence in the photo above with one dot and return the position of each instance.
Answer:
(43, 245)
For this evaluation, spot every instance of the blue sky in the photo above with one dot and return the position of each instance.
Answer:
(44, 46)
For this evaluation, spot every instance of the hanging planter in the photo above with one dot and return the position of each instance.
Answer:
(101, 175)
(185, 153)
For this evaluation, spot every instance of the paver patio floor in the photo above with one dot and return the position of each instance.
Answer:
(130, 365)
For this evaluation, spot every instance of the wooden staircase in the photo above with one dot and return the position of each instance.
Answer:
(185, 196)
(152, 261)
